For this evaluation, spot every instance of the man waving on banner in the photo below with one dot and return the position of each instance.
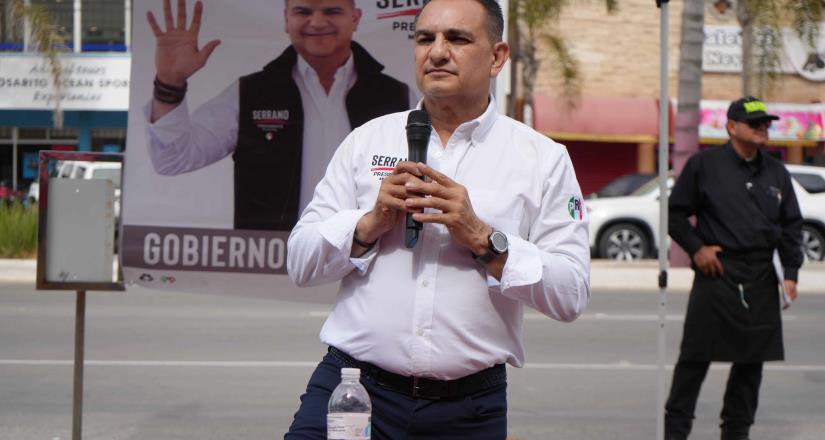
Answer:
(280, 124)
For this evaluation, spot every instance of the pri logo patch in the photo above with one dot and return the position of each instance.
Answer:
(575, 208)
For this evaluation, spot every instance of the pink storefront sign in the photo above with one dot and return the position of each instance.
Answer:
(799, 122)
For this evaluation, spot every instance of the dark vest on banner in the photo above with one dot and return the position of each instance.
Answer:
(271, 128)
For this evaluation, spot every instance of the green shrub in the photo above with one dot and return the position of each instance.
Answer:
(18, 230)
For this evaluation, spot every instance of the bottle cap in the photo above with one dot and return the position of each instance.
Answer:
(351, 372)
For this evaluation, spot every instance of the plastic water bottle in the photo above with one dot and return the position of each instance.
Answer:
(348, 416)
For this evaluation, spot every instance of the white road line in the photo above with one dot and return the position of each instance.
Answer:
(586, 317)
(630, 317)
(101, 363)
(615, 366)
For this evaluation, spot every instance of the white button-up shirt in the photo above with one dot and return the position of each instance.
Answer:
(433, 311)
(179, 143)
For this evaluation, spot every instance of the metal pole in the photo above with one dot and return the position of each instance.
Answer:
(79, 337)
(127, 24)
(78, 26)
(664, 132)
(15, 137)
(27, 29)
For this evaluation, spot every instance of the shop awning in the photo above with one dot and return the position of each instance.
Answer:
(598, 119)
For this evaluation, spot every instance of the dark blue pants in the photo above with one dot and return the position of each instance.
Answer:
(396, 416)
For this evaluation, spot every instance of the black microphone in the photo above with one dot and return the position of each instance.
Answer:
(418, 136)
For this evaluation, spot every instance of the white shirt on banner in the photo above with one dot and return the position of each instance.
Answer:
(179, 143)
(433, 311)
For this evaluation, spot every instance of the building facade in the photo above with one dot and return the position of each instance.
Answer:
(93, 93)
(615, 128)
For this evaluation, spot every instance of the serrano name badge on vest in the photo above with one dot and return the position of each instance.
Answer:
(270, 122)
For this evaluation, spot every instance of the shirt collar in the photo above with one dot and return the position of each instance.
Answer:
(475, 130)
(306, 71)
(755, 165)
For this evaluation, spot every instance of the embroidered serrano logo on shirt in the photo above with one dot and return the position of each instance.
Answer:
(575, 208)
(382, 166)
(270, 121)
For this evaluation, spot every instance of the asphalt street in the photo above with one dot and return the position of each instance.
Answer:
(186, 366)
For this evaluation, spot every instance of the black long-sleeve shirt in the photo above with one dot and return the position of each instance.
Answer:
(746, 207)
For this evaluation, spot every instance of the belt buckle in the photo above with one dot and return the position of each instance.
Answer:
(415, 387)
(425, 392)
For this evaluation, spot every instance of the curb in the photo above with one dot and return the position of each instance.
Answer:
(18, 270)
(604, 275)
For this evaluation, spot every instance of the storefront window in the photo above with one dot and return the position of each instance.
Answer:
(61, 13)
(11, 30)
(103, 26)
(111, 140)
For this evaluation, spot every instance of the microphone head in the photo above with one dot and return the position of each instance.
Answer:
(418, 135)
(418, 119)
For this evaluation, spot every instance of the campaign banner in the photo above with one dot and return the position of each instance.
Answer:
(206, 197)
(798, 122)
(89, 82)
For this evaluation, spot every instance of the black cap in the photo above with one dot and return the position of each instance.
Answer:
(749, 109)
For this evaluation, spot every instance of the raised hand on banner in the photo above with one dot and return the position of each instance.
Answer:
(177, 56)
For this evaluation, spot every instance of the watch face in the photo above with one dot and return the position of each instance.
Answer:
(498, 242)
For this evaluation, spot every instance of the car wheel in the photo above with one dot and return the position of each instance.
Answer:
(624, 242)
(812, 243)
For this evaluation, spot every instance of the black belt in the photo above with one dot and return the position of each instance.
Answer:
(423, 388)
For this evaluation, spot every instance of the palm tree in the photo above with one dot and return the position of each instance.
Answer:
(686, 138)
(531, 22)
(45, 39)
(762, 38)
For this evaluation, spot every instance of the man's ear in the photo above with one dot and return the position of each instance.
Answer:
(501, 52)
(730, 126)
(356, 16)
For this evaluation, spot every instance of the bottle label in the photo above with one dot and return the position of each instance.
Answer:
(348, 426)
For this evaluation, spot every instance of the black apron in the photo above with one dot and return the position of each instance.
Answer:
(734, 317)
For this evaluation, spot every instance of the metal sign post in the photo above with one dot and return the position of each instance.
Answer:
(79, 346)
(76, 240)
(664, 131)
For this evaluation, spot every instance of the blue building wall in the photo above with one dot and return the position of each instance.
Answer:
(83, 121)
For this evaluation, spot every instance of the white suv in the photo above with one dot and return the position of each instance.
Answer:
(627, 228)
(78, 169)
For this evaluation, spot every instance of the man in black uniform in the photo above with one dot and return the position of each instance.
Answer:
(745, 209)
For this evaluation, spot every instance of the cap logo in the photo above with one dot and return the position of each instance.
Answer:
(755, 106)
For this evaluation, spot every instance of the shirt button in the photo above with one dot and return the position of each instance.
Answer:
(425, 283)
(420, 331)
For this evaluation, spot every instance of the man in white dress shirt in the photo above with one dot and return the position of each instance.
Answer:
(280, 124)
(504, 227)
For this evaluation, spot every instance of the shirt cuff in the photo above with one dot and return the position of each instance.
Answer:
(362, 263)
(792, 273)
(523, 266)
(167, 128)
(339, 230)
(692, 245)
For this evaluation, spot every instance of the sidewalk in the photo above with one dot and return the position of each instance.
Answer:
(604, 275)
(644, 275)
